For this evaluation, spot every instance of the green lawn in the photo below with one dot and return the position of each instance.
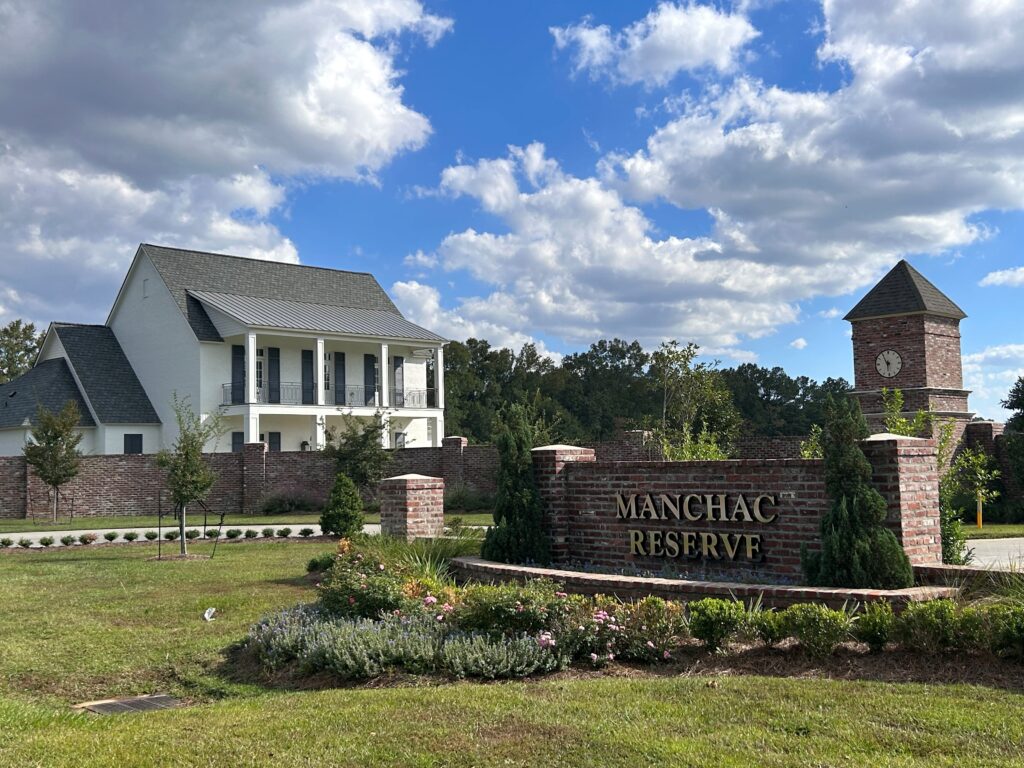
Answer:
(8, 525)
(83, 624)
(994, 530)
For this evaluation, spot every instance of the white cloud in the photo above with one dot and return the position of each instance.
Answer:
(421, 260)
(183, 123)
(990, 374)
(831, 313)
(1013, 277)
(670, 39)
(798, 343)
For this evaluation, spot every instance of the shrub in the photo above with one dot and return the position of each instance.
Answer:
(68, 541)
(288, 501)
(462, 498)
(268, 533)
(818, 628)
(768, 626)
(510, 609)
(233, 533)
(6, 542)
(651, 629)
(875, 625)
(193, 533)
(130, 536)
(284, 533)
(320, 563)
(213, 533)
(151, 535)
(250, 533)
(361, 587)
(111, 535)
(490, 658)
(306, 532)
(25, 543)
(929, 626)
(714, 622)
(87, 538)
(343, 514)
(172, 535)
(46, 541)
(1007, 628)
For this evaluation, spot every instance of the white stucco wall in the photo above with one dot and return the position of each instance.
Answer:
(110, 437)
(158, 342)
(11, 441)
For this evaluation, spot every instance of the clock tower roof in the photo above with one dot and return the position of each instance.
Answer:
(904, 291)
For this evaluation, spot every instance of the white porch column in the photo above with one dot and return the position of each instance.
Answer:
(250, 369)
(319, 432)
(385, 435)
(251, 425)
(438, 431)
(439, 382)
(318, 373)
(385, 395)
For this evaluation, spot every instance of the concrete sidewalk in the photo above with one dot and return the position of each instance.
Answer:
(1003, 554)
(35, 536)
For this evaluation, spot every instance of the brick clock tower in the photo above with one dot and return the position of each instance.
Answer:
(906, 336)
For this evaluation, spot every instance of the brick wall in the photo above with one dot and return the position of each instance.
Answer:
(412, 507)
(12, 486)
(582, 513)
(767, 447)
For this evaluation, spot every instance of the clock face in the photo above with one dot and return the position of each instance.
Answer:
(889, 363)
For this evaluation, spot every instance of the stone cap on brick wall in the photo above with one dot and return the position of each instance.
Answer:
(561, 448)
(411, 476)
(886, 436)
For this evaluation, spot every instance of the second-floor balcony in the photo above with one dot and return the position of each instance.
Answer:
(295, 393)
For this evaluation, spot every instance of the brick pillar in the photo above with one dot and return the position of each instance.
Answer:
(549, 470)
(412, 507)
(254, 476)
(906, 474)
(452, 461)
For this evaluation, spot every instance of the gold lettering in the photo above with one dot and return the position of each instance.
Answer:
(689, 544)
(692, 517)
(622, 509)
(672, 544)
(655, 544)
(711, 506)
(709, 545)
(636, 543)
(753, 546)
(741, 509)
(731, 543)
(758, 514)
(648, 508)
(667, 503)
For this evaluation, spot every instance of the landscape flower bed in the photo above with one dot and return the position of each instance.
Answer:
(386, 606)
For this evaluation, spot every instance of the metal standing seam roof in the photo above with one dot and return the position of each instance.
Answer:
(109, 381)
(49, 384)
(185, 272)
(309, 316)
(904, 291)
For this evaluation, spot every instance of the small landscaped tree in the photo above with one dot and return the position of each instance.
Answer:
(358, 450)
(53, 451)
(857, 550)
(343, 514)
(973, 475)
(189, 475)
(518, 534)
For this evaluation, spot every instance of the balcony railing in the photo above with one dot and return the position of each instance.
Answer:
(291, 393)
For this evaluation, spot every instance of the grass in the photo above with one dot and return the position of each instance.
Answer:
(106, 523)
(994, 530)
(84, 624)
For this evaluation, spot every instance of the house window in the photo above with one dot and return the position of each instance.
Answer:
(274, 444)
(399, 440)
(133, 443)
(237, 441)
(327, 372)
(259, 370)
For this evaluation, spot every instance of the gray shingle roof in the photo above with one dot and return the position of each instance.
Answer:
(49, 384)
(904, 291)
(107, 377)
(184, 271)
(308, 316)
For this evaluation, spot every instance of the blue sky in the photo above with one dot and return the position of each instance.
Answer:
(735, 173)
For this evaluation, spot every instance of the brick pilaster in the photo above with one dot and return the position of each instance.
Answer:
(254, 476)
(549, 471)
(412, 507)
(452, 460)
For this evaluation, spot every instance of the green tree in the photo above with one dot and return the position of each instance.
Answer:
(771, 402)
(19, 345)
(973, 475)
(857, 550)
(53, 451)
(189, 475)
(811, 447)
(518, 534)
(1015, 433)
(896, 421)
(358, 450)
(343, 514)
(1015, 402)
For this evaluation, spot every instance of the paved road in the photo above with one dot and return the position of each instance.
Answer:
(34, 536)
(998, 553)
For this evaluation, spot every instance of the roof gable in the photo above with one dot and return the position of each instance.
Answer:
(107, 378)
(904, 291)
(49, 384)
(196, 271)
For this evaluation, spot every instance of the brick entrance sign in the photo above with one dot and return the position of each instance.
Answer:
(412, 507)
(744, 518)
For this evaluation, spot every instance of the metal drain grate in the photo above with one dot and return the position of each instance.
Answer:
(134, 704)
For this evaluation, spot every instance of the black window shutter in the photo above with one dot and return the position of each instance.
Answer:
(275, 441)
(369, 378)
(237, 441)
(273, 375)
(308, 388)
(398, 386)
(237, 374)
(133, 443)
(339, 379)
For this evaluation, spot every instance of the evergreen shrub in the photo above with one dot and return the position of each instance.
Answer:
(343, 513)
(151, 535)
(875, 625)
(715, 622)
(111, 535)
(68, 541)
(46, 541)
(818, 628)
(130, 536)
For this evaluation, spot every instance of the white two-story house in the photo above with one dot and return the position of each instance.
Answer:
(285, 352)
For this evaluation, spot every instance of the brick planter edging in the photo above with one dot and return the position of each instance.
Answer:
(626, 587)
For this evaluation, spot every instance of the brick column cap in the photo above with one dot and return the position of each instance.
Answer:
(890, 437)
(411, 476)
(561, 448)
